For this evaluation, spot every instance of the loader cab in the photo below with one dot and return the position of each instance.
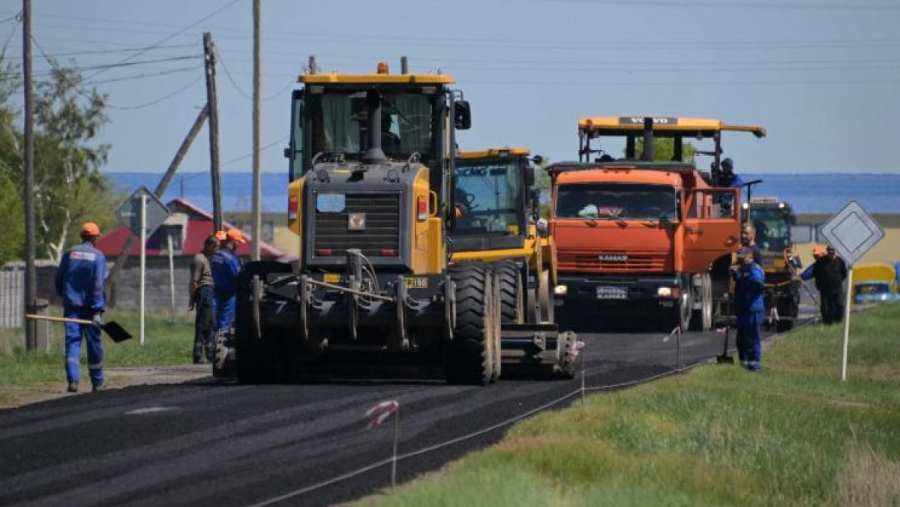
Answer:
(492, 199)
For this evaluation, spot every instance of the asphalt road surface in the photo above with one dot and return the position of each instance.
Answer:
(222, 444)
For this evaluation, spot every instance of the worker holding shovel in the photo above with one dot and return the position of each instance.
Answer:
(79, 282)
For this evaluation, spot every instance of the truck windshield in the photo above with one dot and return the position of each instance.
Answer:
(615, 201)
(340, 124)
(486, 196)
(773, 228)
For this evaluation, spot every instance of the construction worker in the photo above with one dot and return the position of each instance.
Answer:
(748, 240)
(749, 308)
(830, 272)
(79, 282)
(202, 299)
(225, 267)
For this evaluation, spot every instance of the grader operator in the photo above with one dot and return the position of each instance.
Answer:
(371, 168)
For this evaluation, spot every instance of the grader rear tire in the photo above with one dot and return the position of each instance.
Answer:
(470, 355)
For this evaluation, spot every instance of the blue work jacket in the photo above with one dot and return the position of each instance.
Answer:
(749, 286)
(225, 266)
(80, 277)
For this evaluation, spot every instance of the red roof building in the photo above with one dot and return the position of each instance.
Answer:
(188, 225)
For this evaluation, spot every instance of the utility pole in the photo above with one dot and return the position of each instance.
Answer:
(30, 275)
(209, 52)
(256, 226)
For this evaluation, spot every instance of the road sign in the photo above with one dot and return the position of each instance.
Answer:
(852, 232)
(129, 212)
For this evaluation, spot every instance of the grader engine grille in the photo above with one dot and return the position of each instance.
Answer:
(369, 222)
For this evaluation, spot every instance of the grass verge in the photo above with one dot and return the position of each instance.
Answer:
(164, 344)
(718, 435)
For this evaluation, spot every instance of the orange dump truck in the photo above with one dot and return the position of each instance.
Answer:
(655, 237)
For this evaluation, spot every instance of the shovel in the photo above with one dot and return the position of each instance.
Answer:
(116, 332)
(725, 358)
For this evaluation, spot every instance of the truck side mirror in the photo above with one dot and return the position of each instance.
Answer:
(463, 116)
(542, 228)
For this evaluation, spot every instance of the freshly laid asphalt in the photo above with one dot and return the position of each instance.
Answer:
(223, 444)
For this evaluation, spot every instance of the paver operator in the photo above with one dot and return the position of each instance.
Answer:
(225, 266)
(79, 282)
(749, 308)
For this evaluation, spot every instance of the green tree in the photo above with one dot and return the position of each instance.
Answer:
(69, 188)
(664, 150)
(13, 213)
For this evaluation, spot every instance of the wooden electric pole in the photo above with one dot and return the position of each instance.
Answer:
(30, 275)
(256, 227)
(209, 51)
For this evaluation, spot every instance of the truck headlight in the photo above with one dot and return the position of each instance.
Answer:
(664, 291)
(561, 290)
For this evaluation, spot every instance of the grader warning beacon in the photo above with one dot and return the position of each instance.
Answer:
(371, 161)
(498, 208)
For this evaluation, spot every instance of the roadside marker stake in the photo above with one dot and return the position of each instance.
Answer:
(380, 413)
(576, 351)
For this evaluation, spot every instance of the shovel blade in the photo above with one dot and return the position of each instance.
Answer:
(116, 332)
(724, 359)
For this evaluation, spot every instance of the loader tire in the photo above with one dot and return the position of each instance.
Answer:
(512, 301)
(469, 358)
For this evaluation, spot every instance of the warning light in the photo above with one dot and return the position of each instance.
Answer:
(421, 208)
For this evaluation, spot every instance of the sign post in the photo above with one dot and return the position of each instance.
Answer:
(852, 232)
(143, 213)
(143, 259)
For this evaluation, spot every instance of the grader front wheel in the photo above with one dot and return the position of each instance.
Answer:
(470, 355)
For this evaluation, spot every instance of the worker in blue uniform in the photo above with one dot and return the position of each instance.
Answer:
(79, 282)
(749, 308)
(225, 267)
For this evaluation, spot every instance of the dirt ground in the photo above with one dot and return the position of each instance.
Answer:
(116, 378)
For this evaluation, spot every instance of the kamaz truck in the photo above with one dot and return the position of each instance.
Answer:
(641, 237)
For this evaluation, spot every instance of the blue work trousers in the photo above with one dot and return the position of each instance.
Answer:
(749, 341)
(225, 308)
(74, 334)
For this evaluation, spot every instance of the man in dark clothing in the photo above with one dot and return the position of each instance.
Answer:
(202, 299)
(748, 240)
(749, 308)
(79, 282)
(830, 273)
(225, 267)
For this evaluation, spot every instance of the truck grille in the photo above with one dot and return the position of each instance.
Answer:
(615, 262)
(382, 226)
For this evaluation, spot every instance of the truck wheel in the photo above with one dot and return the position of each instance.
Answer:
(469, 358)
(258, 355)
(512, 304)
(706, 302)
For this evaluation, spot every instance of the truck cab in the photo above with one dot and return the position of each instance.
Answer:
(644, 235)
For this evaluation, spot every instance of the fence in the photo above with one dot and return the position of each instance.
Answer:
(12, 296)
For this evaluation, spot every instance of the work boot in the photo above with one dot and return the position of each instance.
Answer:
(99, 387)
(73, 387)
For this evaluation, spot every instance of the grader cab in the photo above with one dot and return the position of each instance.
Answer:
(371, 161)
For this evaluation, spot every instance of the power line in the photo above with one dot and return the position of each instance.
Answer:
(108, 51)
(241, 90)
(264, 148)
(142, 76)
(169, 37)
(131, 64)
(160, 99)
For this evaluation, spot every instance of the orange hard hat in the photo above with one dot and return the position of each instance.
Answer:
(235, 235)
(818, 251)
(220, 235)
(90, 229)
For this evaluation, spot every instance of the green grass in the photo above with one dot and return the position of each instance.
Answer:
(165, 344)
(718, 435)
